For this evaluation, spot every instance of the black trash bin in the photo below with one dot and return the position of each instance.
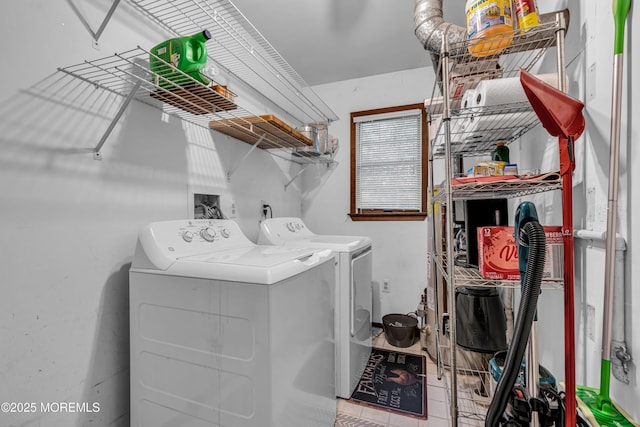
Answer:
(481, 324)
(400, 329)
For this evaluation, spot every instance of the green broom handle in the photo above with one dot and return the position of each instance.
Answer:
(620, 12)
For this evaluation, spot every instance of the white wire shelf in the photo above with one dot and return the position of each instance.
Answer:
(239, 49)
(470, 276)
(476, 188)
(177, 94)
(475, 130)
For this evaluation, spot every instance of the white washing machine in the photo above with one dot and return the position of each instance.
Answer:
(353, 292)
(225, 332)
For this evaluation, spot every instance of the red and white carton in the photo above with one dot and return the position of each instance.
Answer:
(498, 253)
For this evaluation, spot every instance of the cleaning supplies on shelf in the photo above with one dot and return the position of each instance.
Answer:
(173, 58)
(489, 26)
(489, 168)
(492, 168)
(501, 152)
(527, 14)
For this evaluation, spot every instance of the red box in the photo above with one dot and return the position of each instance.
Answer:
(498, 253)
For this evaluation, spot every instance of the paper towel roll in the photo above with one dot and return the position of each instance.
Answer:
(468, 98)
(507, 91)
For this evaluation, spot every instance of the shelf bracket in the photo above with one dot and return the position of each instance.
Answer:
(294, 178)
(123, 107)
(96, 35)
(237, 165)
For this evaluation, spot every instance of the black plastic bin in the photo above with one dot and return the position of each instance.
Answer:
(400, 329)
(481, 324)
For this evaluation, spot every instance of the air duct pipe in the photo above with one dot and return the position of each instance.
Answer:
(431, 29)
(619, 364)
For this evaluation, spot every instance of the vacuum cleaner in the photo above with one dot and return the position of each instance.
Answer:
(520, 399)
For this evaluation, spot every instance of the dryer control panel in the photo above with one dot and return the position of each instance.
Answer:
(279, 230)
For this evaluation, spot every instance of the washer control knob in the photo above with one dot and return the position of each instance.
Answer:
(298, 226)
(225, 233)
(187, 236)
(291, 226)
(208, 234)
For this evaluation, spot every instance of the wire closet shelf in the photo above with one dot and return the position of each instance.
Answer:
(206, 106)
(240, 50)
(470, 276)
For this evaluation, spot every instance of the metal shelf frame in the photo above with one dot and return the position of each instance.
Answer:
(507, 121)
(458, 72)
(470, 276)
(502, 189)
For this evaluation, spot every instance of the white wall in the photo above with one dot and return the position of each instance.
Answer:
(589, 53)
(400, 247)
(69, 223)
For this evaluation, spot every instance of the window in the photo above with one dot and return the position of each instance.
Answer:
(389, 164)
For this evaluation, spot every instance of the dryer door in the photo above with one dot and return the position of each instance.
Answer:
(360, 308)
(361, 295)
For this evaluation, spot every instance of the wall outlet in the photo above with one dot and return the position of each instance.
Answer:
(263, 215)
(386, 286)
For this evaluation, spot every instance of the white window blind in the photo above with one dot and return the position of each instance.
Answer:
(389, 161)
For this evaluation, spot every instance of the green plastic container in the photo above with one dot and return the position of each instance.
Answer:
(500, 153)
(187, 54)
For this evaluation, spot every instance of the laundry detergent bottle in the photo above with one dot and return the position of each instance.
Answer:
(187, 54)
(489, 26)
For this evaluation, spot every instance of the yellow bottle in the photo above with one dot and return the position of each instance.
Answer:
(489, 26)
(527, 13)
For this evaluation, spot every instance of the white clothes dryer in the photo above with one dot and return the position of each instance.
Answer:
(225, 332)
(353, 292)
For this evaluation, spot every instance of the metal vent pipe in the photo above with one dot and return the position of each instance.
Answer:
(431, 29)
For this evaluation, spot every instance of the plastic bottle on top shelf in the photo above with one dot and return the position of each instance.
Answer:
(187, 54)
(500, 153)
(489, 26)
(527, 14)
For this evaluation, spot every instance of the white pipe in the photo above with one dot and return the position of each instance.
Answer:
(601, 236)
(618, 333)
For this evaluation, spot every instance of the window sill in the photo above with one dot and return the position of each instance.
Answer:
(388, 216)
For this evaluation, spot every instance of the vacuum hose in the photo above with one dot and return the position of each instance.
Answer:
(532, 234)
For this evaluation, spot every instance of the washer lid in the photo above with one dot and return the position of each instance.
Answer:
(256, 256)
(335, 243)
(258, 264)
(290, 231)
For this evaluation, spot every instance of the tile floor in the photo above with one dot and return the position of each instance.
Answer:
(350, 414)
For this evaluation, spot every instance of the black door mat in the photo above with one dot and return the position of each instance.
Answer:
(394, 382)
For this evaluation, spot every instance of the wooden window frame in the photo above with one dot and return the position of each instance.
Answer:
(391, 215)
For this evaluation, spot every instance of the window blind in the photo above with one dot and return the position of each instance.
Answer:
(389, 162)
